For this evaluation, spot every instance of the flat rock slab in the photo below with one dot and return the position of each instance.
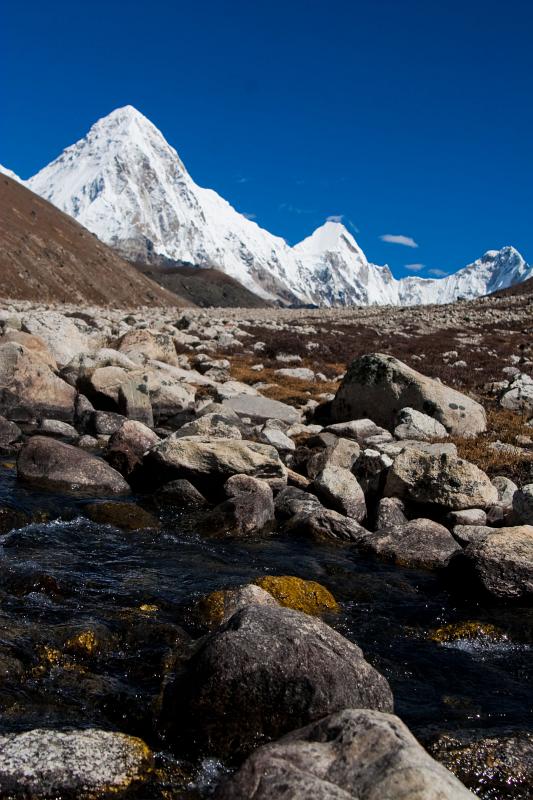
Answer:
(262, 408)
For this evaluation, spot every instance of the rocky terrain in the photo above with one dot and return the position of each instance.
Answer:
(250, 553)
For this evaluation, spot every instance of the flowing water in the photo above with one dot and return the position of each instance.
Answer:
(136, 591)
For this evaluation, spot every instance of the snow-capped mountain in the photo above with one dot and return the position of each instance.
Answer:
(126, 184)
(10, 174)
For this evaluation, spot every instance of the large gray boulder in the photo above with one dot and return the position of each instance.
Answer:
(339, 489)
(264, 671)
(215, 460)
(29, 388)
(503, 561)
(260, 408)
(378, 386)
(324, 524)
(421, 544)
(355, 754)
(83, 764)
(440, 480)
(63, 468)
(61, 335)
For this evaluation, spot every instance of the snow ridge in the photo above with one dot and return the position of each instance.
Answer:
(126, 184)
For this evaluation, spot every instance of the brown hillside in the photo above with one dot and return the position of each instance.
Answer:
(46, 256)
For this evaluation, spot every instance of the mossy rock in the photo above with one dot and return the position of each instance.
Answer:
(128, 516)
(469, 631)
(217, 607)
(301, 595)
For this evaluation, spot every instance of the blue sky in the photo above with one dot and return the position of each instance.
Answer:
(410, 119)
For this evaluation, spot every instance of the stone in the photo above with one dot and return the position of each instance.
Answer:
(248, 510)
(76, 763)
(379, 386)
(103, 423)
(371, 469)
(337, 488)
(358, 429)
(55, 427)
(29, 388)
(141, 345)
(264, 671)
(444, 481)
(390, 512)
(221, 604)
(11, 519)
(214, 461)
(354, 754)
(519, 396)
(102, 385)
(420, 544)
(128, 516)
(278, 439)
(292, 500)
(296, 593)
(503, 561)
(298, 373)
(260, 408)
(323, 524)
(135, 435)
(412, 424)
(180, 493)
(61, 467)
(523, 504)
(62, 337)
(470, 516)
(10, 434)
(341, 453)
(32, 343)
(135, 403)
(213, 426)
(465, 534)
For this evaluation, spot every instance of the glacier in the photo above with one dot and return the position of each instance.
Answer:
(125, 183)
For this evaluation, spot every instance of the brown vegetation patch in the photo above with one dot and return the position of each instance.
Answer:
(289, 390)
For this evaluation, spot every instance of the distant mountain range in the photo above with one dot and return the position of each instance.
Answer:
(126, 184)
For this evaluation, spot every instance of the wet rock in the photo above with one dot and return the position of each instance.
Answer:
(421, 543)
(29, 388)
(264, 671)
(501, 759)
(180, 493)
(212, 426)
(128, 516)
(248, 509)
(351, 755)
(324, 524)
(12, 518)
(214, 461)
(260, 408)
(470, 631)
(390, 512)
(523, 504)
(72, 763)
(61, 467)
(412, 424)
(339, 489)
(10, 434)
(301, 595)
(220, 605)
(379, 386)
(503, 561)
(292, 500)
(440, 480)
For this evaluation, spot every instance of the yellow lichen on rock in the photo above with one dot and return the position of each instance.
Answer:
(468, 630)
(84, 643)
(292, 592)
(212, 607)
(148, 608)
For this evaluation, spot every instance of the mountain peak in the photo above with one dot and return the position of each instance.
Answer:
(329, 238)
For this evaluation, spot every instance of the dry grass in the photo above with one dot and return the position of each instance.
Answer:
(503, 426)
(288, 390)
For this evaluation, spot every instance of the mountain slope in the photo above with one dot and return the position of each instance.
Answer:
(46, 256)
(125, 183)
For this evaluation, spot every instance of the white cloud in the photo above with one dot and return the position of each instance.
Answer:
(414, 267)
(394, 238)
(249, 216)
(439, 273)
(335, 218)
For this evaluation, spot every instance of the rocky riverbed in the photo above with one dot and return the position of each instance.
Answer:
(256, 553)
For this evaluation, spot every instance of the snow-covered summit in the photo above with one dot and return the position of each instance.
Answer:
(128, 185)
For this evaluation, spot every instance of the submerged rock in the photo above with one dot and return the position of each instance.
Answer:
(264, 671)
(128, 516)
(77, 764)
(420, 543)
(351, 755)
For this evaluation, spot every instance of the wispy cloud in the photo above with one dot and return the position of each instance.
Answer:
(344, 220)
(438, 273)
(249, 216)
(242, 180)
(397, 238)
(335, 218)
(414, 267)
(295, 209)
